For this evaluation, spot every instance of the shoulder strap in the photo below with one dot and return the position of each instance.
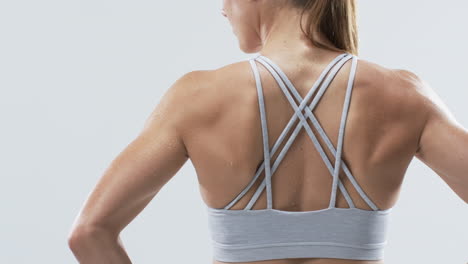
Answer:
(281, 137)
(309, 114)
(266, 145)
(344, 115)
(339, 61)
(280, 77)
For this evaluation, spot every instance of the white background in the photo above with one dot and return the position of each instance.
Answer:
(78, 79)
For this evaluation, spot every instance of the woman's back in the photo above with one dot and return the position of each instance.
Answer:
(224, 138)
(240, 123)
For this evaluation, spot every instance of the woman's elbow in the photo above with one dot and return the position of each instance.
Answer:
(84, 237)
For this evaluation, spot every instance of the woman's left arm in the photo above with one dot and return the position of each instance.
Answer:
(133, 178)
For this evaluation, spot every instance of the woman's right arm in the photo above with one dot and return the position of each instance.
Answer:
(443, 144)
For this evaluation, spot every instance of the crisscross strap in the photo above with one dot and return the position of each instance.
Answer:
(339, 147)
(309, 114)
(266, 145)
(283, 134)
(303, 123)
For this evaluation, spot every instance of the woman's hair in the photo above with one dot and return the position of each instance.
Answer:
(335, 19)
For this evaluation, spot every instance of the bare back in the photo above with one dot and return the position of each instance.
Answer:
(225, 146)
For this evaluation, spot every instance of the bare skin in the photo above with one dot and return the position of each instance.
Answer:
(212, 117)
(393, 117)
(385, 121)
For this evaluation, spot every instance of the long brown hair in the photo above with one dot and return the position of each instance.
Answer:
(335, 19)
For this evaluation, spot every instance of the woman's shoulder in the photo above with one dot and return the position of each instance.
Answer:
(204, 96)
(383, 76)
(207, 93)
(396, 94)
(392, 85)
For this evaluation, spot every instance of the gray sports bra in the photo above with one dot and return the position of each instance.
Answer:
(333, 232)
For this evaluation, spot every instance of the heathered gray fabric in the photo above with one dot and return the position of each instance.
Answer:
(250, 235)
(346, 233)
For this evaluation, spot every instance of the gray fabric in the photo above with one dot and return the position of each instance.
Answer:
(281, 138)
(302, 123)
(339, 148)
(266, 148)
(347, 233)
(324, 137)
(250, 235)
